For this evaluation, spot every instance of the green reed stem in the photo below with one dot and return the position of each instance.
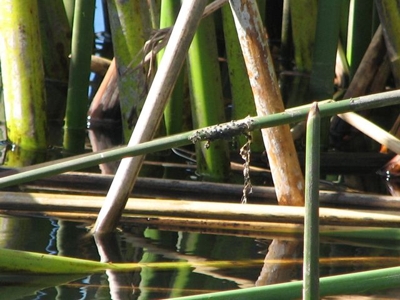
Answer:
(303, 29)
(353, 283)
(327, 108)
(175, 106)
(207, 99)
(242, 95)
(78, 85)
(311, 217)
(22, 74)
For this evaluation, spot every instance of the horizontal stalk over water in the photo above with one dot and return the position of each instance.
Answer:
(353, 283)
(206, 210)
(327, 108)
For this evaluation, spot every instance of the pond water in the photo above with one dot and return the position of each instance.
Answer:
(134, 244)
(150, 245)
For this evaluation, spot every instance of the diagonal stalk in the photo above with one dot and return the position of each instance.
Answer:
(327, 108)
(181, 36)
(282, 156)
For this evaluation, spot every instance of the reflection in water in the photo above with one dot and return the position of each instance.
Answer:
(151, 246)
(119, 283)
(274, 272)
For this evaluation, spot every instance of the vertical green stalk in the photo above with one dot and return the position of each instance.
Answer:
(242, 95)
(56, 41)
(22, 74)
(326, 43)
(130, 26)
(311, 216)
(207, 99)
(359, 31)
(286, 36)
(324, 58)
(56, 44)
(303, 16)
(174, 110)
(78, 85)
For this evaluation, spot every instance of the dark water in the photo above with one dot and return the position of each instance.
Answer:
(147, 245)
(134, 245)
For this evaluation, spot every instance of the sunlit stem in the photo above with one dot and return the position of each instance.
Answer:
(311, 221)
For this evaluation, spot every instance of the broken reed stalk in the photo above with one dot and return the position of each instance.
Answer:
(167, 73)
(366, 71)
(373, 131)
(279, 145)
(226, 130)
(311, 216)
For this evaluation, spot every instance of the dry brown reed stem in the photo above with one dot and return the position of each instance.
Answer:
(150, 116)
(363, 79)
(99, 65)
(282, 156)
(107, 94)
(373, 58)
(153, 208)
